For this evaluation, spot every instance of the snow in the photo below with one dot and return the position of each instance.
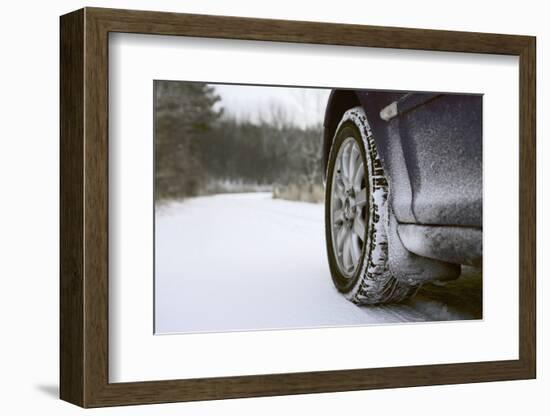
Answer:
(237, 262)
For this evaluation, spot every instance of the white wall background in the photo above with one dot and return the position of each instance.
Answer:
(29, 159)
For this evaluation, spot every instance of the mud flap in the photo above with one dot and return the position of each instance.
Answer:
(411, 268)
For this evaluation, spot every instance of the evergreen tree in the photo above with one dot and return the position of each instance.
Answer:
(184, 113)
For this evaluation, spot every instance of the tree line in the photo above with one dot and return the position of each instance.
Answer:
(198, 148)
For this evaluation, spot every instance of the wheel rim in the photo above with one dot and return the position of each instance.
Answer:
(348, 207)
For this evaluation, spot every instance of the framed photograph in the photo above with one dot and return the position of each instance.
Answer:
(255, 207)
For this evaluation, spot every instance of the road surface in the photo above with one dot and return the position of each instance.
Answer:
(236, 262)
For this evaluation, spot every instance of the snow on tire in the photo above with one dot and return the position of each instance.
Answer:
(357, 216)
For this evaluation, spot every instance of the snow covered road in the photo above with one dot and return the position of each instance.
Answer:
(236, 262)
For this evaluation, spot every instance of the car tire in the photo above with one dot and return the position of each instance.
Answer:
(357, 216)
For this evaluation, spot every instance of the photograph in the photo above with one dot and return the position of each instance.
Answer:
(286, 207)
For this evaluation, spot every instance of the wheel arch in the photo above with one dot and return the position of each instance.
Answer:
(339, 102)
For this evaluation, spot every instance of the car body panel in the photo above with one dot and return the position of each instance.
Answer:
(431, 152)
(431, 148)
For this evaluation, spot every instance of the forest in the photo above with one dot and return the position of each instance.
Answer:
(202, 150)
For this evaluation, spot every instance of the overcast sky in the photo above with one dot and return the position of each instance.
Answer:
(302, 106)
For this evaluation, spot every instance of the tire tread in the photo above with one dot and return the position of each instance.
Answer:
(375, 284)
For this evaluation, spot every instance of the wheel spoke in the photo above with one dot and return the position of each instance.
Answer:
(353, 155)
(340, 190)
(346, 253)
(359, 227)
(361, 198)
(355, 251)
(340, 237)
(338, 216)
(358, 175)
(344, 166)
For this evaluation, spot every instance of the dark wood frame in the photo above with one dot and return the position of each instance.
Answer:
(84, 207)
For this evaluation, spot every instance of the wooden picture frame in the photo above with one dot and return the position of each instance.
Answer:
(84, 207)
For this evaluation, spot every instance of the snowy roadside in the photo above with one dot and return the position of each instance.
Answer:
(235, 262)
